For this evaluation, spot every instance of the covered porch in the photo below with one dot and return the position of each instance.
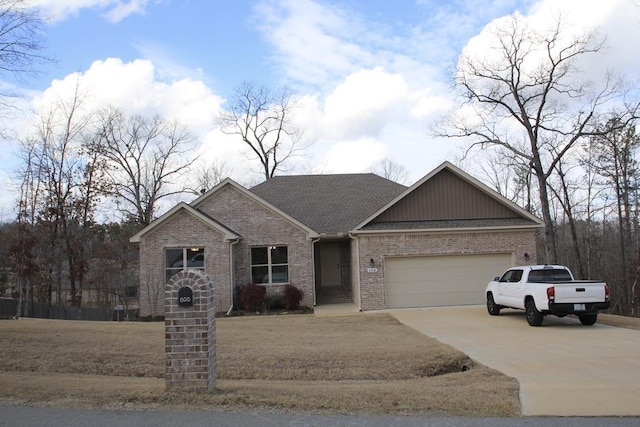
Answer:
(333, 282)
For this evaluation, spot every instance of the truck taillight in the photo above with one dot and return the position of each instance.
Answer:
(551, 293)
(607, 292)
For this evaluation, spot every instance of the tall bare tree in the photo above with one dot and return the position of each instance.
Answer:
(392, 170)
(526, 93)
(61, 186)
(263, 120)
(208, 175)
(615, 161)
(148, 156)
(21, 38)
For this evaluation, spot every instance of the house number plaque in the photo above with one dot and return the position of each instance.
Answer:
(185, 296)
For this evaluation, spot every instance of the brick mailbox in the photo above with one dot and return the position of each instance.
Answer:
(190, 332)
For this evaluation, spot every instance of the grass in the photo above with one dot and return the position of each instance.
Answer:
(352, 364)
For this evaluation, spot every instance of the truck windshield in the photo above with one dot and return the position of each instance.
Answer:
(549, 275)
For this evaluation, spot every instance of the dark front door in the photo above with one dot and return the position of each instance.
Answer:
(330, 265)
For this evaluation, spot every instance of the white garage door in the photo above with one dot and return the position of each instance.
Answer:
(432, 281)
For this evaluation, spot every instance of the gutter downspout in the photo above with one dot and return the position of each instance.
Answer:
(313, 267)
(233, 243)
(357, 278)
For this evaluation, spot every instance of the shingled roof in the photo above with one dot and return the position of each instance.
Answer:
(329, 204)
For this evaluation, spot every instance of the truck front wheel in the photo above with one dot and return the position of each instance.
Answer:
(588, 319)
(492, 307)
(534, 317)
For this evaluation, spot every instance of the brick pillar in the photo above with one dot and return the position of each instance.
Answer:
(190, 332)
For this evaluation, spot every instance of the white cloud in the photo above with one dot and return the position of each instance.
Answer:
(113, 10)
(365, 102)
(134, 88)
(373, 87)
(351, 156)
(316, 44)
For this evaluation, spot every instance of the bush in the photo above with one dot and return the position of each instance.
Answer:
(274, 302)
(237, 297)
(253, 297)
(292, 297)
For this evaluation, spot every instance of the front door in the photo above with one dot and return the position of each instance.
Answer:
(330, 265)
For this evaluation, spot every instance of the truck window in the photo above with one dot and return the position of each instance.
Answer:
(549, 275)
(511, 276)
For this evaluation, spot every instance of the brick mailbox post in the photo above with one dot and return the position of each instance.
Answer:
(190, 332)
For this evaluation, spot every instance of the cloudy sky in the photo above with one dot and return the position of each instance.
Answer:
(372, 74)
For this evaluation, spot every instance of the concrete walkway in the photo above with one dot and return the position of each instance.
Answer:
(335, 310)
(563, 367)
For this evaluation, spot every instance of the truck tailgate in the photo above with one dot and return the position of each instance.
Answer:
(579, 291)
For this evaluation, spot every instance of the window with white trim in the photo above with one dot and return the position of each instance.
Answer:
(179, 259)
(269, 264)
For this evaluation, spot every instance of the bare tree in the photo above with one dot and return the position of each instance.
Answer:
(148, 157)
(208, 175)
(566, 193)
(21, 38)
(391, 170)
(21, 46)
(614, 160)
(509, 175)
(527, 95)
(61, 186)
(263, 119)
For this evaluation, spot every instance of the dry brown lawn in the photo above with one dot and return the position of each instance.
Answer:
(352, 364)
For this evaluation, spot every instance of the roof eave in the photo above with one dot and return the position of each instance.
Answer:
(449, 230)
(192, 211)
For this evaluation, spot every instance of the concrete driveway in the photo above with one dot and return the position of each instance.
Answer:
(563, 367)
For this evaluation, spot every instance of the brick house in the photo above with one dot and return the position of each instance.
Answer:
(353, 238)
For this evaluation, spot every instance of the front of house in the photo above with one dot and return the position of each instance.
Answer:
(353, 238)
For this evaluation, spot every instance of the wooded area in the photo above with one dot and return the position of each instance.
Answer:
(543, 133)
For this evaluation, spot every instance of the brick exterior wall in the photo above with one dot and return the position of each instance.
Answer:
(380, 246)
(260, 226)
(183, 230)
(257, 225)
(190, 334)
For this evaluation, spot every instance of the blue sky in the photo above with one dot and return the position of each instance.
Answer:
(372, 75)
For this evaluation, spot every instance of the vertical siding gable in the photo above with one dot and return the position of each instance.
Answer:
(445, 196)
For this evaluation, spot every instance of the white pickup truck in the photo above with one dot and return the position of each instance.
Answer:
(547, 289)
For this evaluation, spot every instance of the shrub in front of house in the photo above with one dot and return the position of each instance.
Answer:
(291, 297)
(274, 302)
(253, 297)
(237, 297)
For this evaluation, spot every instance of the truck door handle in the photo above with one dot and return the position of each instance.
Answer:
(580, 289)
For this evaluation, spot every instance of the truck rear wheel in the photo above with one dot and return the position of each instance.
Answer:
(588, 319)
(534, 317)
(492, 307)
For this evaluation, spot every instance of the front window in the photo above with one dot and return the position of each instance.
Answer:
(269, 264)
(179, 259)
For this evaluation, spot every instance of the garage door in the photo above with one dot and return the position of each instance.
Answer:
(441, 280)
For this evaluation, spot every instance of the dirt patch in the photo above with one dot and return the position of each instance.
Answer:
(351, 364)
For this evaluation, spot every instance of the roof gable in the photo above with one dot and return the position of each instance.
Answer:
(448, 194)
(330, 204)
(259, 200)
(201, 216)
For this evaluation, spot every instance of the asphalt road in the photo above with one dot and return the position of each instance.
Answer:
(61, 417)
